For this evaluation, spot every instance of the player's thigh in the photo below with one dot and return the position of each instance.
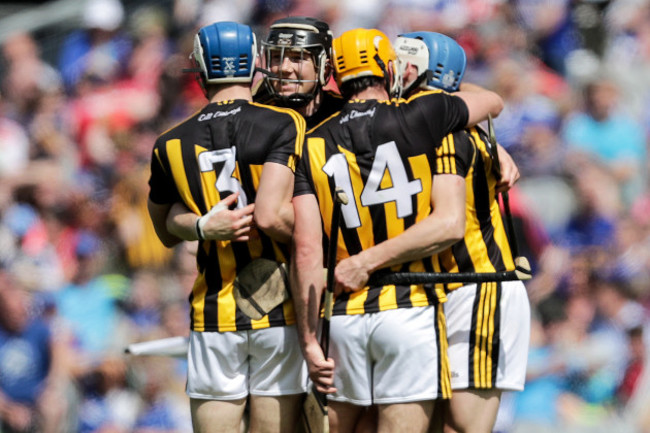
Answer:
(275, 414)
(349, 349)
(343, 416)
(411, 417)
(277, 367)
(217, 365)
(217, 416)
(472, 411)
(488, 329)
(408, 364)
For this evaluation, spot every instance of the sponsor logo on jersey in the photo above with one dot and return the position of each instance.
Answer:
(212, 115)
(355, 114)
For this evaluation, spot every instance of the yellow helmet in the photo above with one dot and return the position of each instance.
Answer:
(364, 53)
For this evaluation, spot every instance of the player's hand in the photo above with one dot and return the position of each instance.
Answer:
(224, 224)
(350, 275)
(321, 370)
(509, 171)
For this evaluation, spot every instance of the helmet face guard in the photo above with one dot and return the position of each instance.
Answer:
(441, 62)
(303, 42)
(364, 53)
(225, 52)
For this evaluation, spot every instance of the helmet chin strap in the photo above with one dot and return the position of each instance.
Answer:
(428, 76)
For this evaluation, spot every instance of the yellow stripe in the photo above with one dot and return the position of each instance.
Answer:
(365, 231)
(477, 332)
(175, 158)
(226, 299)
(422, 170)
(254, 242)
(445, 152)
(355, 304)
(445, 370)
(452, 153)
(493, 308)
(199, 290)
(387, 298)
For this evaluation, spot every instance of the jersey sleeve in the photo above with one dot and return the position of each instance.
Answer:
(455, 155)
(162, 189)
(442, 112)
(287, 147)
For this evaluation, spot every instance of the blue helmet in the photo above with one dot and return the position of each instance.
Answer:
(225, 52)
(433, 52)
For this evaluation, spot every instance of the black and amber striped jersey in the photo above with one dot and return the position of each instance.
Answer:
(218, 151)
(383, 155)
(329, 104)
(485, 246)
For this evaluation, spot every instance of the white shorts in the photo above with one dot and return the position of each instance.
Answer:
(488, 331)
(232, 365)
(389, 357)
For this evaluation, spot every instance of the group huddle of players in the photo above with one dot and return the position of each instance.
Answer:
(252, 176)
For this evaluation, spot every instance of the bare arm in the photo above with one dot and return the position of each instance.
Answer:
(441, 229)
(480, 102)
(219, 224)
(158, 214)
(307, 287)
(509, 170)
(273, 208)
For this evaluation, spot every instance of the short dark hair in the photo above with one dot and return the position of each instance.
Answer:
(357, 85)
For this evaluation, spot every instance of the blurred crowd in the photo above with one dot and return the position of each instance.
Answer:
(82, 273)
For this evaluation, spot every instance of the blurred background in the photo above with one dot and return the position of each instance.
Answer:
(86, 87)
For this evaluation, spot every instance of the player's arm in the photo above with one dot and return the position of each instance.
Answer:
(273, 208)
(480, 102)
(220, 223)
(509, 170)
(158, 214)
(438, 231)
(307, 287)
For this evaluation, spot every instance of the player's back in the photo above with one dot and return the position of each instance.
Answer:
(383, 154)
(219, 151)
(484, 247)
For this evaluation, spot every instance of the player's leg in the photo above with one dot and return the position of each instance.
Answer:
(488, 330)
(275, 414)
(405, 417)
(278, 380)
(217, 380)
(214, 416)
(403, 341)
(472, 411)
(352, 374)
(368, 420)
(343, 416)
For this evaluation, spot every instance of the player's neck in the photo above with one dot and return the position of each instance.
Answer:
(374, 92)
(311, 108)
(230, 92)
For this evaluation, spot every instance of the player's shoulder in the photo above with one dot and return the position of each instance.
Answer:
(179, 129)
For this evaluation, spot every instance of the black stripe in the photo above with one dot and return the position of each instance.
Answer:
(371, 304)
(438, 349)
(471, 380)
(461, 254)
(483, 201)
(403, 296)
(213, 282)
(496, 337)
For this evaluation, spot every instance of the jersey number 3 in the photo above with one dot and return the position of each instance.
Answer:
(400, 191)
(226, 180)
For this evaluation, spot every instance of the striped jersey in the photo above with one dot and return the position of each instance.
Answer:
(484, 247)
(218, 151)
(383, 155)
